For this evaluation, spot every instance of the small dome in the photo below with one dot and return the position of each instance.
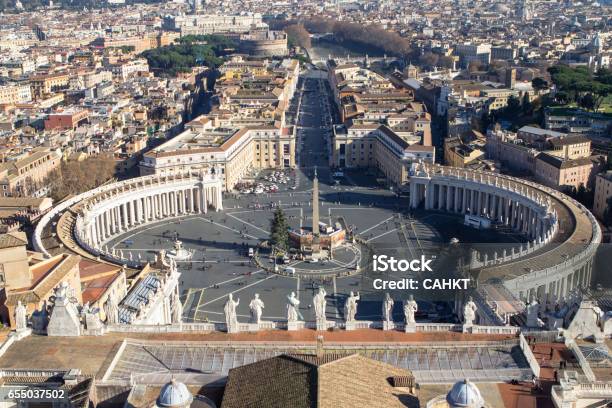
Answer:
(174, 395)
(464, 394)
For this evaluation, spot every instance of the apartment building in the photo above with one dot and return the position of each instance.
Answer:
(473, 52)
(377, 146)
(139, 43)
(215, 145)
(15, 93)
(603, 192)
(19, 176)
(559, 160)
(45, 84)
(458, 154)
(124, 69)
(214, 24)
(561, 173)
(68, 119)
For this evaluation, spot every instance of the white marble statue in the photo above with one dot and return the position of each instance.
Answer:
(21, 320)
(586, 323)
(469, 312)
(91, 318)
(410, 309)
(177, 309)
(60, 290)
(351, 307)
(111, 311)
(293, 312)
(231, 319)
(256, 306)
(387, 308)
(533, 311)
(320, 304)
(86, 309)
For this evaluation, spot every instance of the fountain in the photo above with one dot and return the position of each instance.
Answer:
(179, 253)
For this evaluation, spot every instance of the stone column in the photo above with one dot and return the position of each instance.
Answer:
(125, 216)
(174, 196)
(157, 206)
(145, 209)
(113, 223)
(528, 227)
(464, 193)
(107, 231)
(94, 233)
(139, 210)
(166, 209)
(455, 199)
(98, 220)
(118, 218)
(102, 229)
(105, 225)
(205, 199)
(152, 207)
(413, 188)
(133, 212)
(473, 202)
(191, 201)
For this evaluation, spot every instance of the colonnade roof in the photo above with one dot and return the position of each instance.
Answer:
(574, 235)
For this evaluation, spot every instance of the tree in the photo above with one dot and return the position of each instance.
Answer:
(526, 104)
(514, 106)
(446, 61)
(429, 59)
(279, 230)
(574, 84)
(562, 97)
(582, 195)
(539, 84)
(587, 102)
(75, 177)
(191, 51)
(297, 34)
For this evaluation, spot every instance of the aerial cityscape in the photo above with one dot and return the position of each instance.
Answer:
(299, 204)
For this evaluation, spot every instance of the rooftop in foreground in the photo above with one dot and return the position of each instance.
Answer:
(429, 355)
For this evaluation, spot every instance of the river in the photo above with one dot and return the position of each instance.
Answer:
(322, 49)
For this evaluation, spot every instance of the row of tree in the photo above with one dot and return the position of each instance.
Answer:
(75, 177)
(581, 86)
(298, 35)
(191, 51)
(369, 36)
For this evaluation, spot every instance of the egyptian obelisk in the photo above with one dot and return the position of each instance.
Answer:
(315, 203)
(316, 244)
